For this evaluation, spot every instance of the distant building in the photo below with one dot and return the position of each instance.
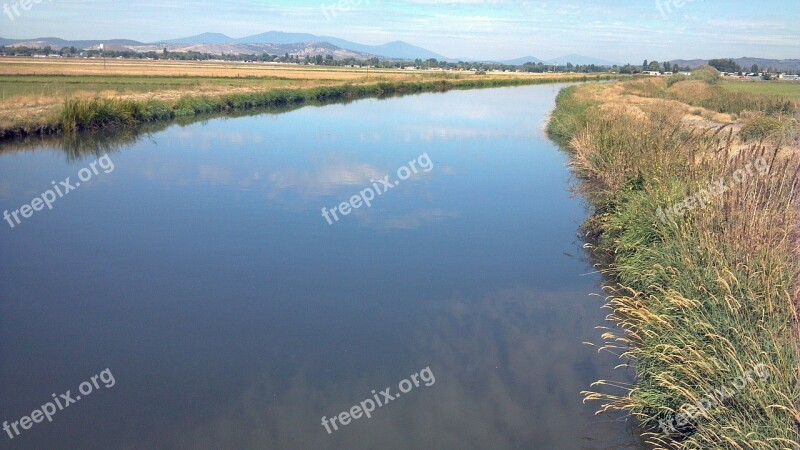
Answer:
(784, 76)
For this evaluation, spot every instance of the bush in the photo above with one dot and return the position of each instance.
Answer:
(706, 73)
(79, 114)
(768, 127)
(155, 111)
(676, 78)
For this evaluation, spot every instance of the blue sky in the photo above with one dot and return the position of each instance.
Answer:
(616, 30)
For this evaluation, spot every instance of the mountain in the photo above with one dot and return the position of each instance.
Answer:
(746, 63)
(264, 42)
(278, 37)
(392, 50)
(521, 61)
(300, 49)
(402, 50)
(58, 42)
(580, 60)
(205, 38)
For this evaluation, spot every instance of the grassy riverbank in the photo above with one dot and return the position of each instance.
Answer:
(50, 97)
(705, 278)
(98, 113)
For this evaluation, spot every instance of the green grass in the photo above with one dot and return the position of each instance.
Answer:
(715, 97)
(94, 114)
(779, 88)
(699, 299)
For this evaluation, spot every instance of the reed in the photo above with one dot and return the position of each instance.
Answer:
(696, 299)
(96, 113)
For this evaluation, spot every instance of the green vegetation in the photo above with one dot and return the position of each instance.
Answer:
(718, 99)
(80, 114)
(700, 91)
(770, 128)
(777, 88)
(699, 298)
(726, 65)
(706, 73)
(677, 78)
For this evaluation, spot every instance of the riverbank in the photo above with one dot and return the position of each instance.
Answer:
(694, 223)
(53, 98)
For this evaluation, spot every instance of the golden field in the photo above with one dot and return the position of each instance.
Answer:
(32, 90)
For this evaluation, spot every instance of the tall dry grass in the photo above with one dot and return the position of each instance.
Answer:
(699, 299)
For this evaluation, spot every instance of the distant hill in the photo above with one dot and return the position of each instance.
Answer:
(746, 63)
(58, 42)
(580, 60)
(273, 42)
(205, 38)
(523, 60)
(300, 49)
(392, 50)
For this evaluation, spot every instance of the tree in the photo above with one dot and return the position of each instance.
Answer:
(754, 68)
(654, 66)
(725, 65)
(645, 65)
(667, 67)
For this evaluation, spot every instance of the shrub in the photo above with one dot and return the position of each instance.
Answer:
(768, 127)
(706, 73)
(676, 78)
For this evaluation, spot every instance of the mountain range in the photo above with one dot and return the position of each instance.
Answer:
(305, 44)
(392, 50)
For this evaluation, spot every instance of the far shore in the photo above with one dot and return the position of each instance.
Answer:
(51, 96)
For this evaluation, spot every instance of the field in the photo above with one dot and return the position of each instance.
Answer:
(782, 88)
(34, 91)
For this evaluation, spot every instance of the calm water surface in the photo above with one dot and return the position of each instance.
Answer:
(201, 273)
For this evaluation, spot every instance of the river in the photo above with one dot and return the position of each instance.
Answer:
(195, 268)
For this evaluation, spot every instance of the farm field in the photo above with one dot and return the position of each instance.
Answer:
(33, 90)
(782, 88)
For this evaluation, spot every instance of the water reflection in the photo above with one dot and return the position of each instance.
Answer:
(233, 316)
(486, 354)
